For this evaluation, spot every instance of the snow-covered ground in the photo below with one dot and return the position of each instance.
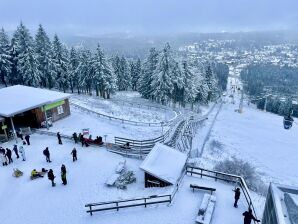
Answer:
(128, 109)
(257, 137)
(35, 201)
(102, 126)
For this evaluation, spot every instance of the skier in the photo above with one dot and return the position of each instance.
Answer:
(22, 151)
(248, 216)
(237, 196)
(59, 138)
(74, 154)
(63, 174)
(75, 137)
(15, 149)
(47, 154)
(8, 155)
(51, 177)
(27, 137)
(3, 158)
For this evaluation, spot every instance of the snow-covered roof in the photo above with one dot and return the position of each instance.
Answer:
(165, 163)
(285, 200)
(17, 99)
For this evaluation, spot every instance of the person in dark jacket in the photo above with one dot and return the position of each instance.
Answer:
(8, 155)
(248, 216)
(63, 174)
(74, 154)
(237, 196)
(82, 139)
(47, 154)
(51, 177)
(59, 138)
(75, 137)
(15, 149)
(27, 137)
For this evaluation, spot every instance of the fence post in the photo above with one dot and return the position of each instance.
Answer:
(117, 206)
(216, 177)
(145, 203)
(201, 173)
(90, 210)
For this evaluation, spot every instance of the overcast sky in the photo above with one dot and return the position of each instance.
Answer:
(94, 17)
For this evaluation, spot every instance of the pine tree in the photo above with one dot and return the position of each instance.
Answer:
(190, 84)
(27, 65)
(105, 80)
(162, 83)
(44, 56)
(178, 94)
(5, 57)
(211, 83)
(147, 74)
(73, 63)
(60, 56)
(135, 71)
(120, 67)
(85, 72)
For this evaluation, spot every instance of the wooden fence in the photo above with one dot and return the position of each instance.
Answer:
(116, 205)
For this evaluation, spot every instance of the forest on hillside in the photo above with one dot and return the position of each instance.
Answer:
(278, 84)
(162, 76)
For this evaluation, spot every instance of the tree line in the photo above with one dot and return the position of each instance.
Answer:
(42, 62)
(277, 83)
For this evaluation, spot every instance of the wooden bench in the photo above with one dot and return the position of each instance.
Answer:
(206, 209)
(194, 186)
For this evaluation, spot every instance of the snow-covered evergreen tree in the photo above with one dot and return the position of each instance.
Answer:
(121, 70)
(190, 83)
(104, 78)
(135, 71)
(60, 59)
(162, 83)
(211, 83)
(73, 63)
(27, 65)
(146, 78)
(178, 79)
(5, 57)
(85, 72)
(44, 56)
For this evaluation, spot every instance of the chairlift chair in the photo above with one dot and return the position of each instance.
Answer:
(288, 122)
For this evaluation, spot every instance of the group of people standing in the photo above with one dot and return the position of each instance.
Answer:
(6, 154)
(52, 177)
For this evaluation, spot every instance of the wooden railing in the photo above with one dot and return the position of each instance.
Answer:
(116, 205)
(224, 177)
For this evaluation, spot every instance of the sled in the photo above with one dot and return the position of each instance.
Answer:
(17, 173)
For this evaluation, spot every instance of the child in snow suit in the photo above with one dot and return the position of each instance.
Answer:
(35, 174)
(22, 152)
(75, 137)
(63, 174)
(51, 177)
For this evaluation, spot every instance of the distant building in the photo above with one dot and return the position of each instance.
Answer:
(281, 205)
(23, 106)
